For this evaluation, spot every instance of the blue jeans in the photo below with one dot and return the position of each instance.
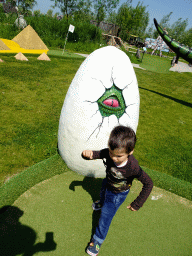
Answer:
(111, 203)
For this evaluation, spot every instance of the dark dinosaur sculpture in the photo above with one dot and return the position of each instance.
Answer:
(181, 50)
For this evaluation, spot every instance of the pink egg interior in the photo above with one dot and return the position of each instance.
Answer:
(111, 102)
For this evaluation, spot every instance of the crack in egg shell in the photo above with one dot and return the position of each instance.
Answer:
(91, 90)
(82, 125)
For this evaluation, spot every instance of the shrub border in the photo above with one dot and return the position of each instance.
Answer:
(174, 185)
(48, 168)
(35, 174)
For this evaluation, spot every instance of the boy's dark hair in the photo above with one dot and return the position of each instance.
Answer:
(122, 137)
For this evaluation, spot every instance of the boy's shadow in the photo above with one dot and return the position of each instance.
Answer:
(16, 238)
(92, 186)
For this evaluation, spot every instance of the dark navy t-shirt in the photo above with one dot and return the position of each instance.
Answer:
(120, 179)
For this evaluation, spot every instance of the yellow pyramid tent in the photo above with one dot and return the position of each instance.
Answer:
(43, 56)
(12, 46)
(20, 56)
(29, 39)
(3, 46)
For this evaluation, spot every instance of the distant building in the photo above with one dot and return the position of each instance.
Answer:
(109, 28)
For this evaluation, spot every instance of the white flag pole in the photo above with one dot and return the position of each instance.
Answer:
(65, 42)
(71, 29)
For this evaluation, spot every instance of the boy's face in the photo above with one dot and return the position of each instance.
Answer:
(119, 156)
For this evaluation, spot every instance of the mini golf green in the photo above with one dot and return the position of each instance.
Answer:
(57, 219)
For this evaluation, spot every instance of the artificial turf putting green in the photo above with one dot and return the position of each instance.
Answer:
(61, 206)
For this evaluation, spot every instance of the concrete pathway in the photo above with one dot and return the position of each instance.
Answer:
(137, 66)
(81, 54)
(134, 65)
(181, 67)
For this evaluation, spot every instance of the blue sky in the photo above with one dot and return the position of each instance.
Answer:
(156, 8)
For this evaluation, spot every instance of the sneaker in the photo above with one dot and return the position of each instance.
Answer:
(97, 206)
(93, 248)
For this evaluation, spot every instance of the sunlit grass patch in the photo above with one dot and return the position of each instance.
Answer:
(32, 94)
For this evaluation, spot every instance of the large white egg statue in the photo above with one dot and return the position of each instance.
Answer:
(103, 94)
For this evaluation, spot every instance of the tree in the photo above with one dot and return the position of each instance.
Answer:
(50, 13)
(101, 14)
(124, 18)
(132, 20)
(37, 13)
(164, 23)
(83, 11)
(178, 29)
(55, 15)
(112, 17)
(140, 19)
(8, 7)
(124, 13)
(23, 6)
(2, 14)
(187, 38)
(103, 7)
(67, 7)
(165, 20)
(150, 31)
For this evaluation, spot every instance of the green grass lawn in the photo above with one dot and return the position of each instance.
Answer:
(155, 64)
(60, 53)
(32, 95)
(164, 131)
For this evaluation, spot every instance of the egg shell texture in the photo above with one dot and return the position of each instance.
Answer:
(82, 125)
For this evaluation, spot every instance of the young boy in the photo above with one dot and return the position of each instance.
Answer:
(121, 169)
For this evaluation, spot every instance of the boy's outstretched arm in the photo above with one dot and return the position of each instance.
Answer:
(145, 192)
(88, 154)
(91, 154)
(131, 208)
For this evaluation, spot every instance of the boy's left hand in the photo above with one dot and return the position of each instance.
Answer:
(131, 208)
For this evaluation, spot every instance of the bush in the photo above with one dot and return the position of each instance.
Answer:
(53, 32)
(124, 35)
(8, 31)
(85, 32)
(81, 47)
(2, 14)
